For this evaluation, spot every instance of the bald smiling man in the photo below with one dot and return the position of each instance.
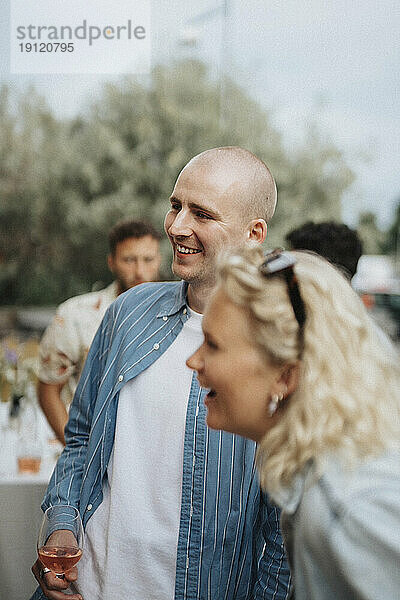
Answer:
(172, 509)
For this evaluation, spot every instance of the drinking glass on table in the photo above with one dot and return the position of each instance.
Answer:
(60, 539)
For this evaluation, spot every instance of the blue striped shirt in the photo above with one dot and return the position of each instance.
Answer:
(229, 545)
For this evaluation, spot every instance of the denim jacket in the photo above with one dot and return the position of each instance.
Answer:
(229, 545)
(342, 530)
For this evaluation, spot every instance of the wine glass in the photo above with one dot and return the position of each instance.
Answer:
(60, 539)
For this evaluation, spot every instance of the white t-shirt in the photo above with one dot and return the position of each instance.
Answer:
(131, 540)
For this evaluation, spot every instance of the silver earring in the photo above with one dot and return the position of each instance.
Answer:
(273, 405)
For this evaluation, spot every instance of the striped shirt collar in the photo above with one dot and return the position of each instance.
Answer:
(177, 301)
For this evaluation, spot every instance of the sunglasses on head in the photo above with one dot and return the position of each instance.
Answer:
(281, 262)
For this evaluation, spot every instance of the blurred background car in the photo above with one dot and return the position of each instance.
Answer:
(378, 282)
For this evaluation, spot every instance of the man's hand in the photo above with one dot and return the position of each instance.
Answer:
(53, 587)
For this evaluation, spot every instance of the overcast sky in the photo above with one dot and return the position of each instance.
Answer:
(331, 61)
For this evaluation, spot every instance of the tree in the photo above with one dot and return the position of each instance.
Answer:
(373, 238)
(64, 182)
(392, 241)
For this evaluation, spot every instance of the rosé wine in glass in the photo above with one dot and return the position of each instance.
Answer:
(60, 540)
(59, 559)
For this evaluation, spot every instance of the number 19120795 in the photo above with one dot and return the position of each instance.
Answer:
(47, 47)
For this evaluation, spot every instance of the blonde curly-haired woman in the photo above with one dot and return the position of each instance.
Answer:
(293, 361)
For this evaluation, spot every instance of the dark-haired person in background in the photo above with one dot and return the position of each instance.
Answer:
(134, 258)
(334, 241)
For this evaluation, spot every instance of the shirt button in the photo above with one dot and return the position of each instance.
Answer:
(89, 507)
(156, 346)
(121, 378)
(165, 318)
(184, 311)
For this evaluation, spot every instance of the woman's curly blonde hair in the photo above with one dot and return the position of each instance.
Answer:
(347, 399)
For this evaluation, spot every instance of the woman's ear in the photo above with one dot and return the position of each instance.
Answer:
(289, 378)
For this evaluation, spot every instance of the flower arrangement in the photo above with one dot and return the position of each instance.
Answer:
(19, 367)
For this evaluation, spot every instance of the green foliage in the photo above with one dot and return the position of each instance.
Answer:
(63, 183)
(392, 241)
(373, 239)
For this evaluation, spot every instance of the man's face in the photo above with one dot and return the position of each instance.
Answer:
(136, 260)
(204, 219)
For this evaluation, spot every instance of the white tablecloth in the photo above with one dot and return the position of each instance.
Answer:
(20, 513)
(20, 517)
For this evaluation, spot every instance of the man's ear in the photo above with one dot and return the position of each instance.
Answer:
(257, 231)
(110, 262)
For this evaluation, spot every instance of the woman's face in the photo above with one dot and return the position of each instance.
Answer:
(240, 377)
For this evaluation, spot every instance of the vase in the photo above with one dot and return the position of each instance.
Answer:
(30, 449)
